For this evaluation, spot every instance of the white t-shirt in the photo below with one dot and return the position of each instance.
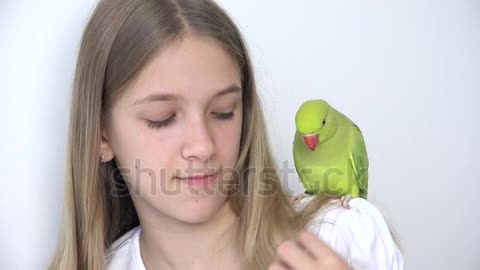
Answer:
(359, 235)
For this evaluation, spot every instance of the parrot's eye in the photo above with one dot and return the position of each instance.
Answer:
(323, 124)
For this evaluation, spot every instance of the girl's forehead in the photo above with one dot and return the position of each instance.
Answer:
(193, 66)
(172, 96)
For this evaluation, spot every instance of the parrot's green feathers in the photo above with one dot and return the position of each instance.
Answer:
(310, 116)
(359, 161)
(337, 163)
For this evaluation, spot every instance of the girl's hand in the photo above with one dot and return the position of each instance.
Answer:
(307, 252)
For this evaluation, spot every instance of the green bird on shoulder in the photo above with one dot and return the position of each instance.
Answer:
(329, 153)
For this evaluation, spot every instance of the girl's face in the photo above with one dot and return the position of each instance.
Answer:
(181, 117)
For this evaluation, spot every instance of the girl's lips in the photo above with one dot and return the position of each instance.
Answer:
(199, 181)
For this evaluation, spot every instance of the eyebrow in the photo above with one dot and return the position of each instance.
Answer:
(166, 97)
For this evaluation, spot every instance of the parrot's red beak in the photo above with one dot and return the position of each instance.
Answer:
(311, 140)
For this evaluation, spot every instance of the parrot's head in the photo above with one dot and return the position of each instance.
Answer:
(315, 122)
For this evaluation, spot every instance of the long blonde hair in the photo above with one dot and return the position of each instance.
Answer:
(119, 40)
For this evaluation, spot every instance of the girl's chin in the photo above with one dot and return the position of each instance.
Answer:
(199, 210)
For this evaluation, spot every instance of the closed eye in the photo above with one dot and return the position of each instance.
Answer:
(171, 119)
(224, 116)
(160, 124)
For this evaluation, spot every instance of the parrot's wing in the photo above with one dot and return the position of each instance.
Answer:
(359, 161)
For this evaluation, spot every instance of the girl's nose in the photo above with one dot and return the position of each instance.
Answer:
(199, 143)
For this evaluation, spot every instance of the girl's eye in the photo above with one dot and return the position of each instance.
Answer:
(224, 116)
(160, 124)
(171, 119)
(323, 124)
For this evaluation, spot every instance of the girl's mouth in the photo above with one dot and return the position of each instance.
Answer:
(199, 180)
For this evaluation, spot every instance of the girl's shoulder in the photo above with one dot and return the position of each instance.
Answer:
(124, 252)
(359, 234)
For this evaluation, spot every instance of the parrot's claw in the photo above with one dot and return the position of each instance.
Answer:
(345, 201)
(297, 197)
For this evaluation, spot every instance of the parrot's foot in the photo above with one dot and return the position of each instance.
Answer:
(345, 200)
(298, 197)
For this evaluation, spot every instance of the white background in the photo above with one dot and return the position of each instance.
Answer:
(407, 72)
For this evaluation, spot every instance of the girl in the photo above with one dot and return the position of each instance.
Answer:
(168, 162)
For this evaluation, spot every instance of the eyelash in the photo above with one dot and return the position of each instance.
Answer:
(171, 119)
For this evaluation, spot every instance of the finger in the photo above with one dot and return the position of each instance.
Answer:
(314, 245)
(292, 254)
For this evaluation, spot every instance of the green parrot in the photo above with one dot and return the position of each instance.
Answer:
(329, 152)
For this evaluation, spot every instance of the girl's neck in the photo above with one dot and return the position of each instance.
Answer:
(209, 245)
